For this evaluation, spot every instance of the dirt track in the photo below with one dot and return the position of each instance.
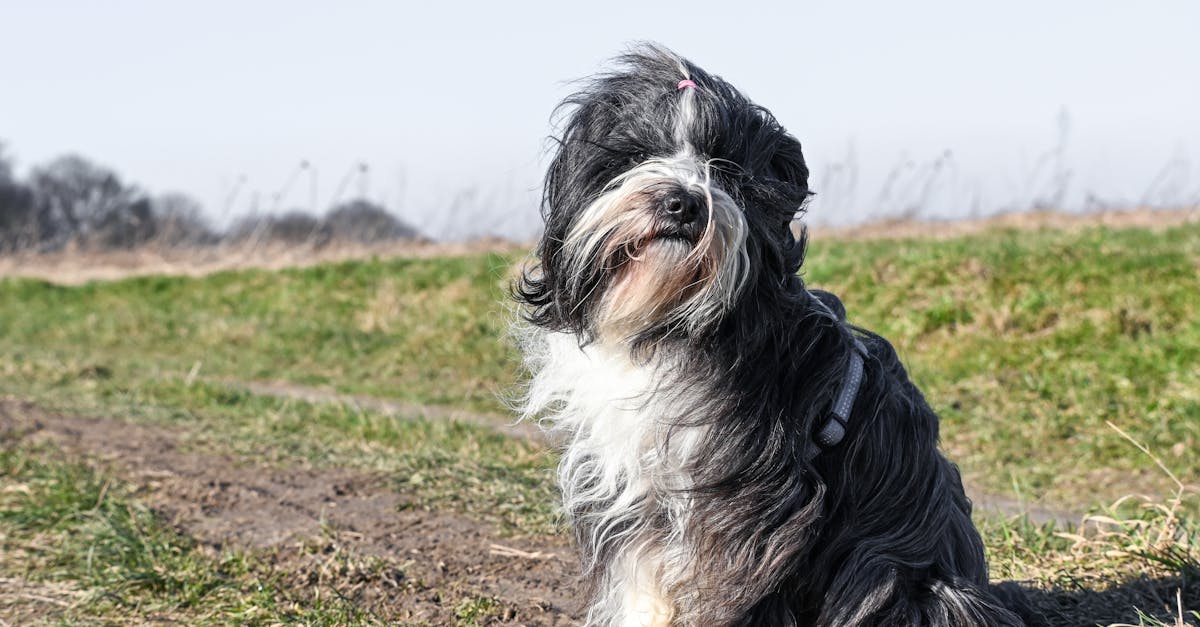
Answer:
(323, 527)
(984, 502)
(338, 517)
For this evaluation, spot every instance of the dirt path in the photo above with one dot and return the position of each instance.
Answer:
(984, 501)
(433, 560)
(504, 424)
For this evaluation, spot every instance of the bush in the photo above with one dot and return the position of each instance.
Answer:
(180, 222)
(18, 221)
(292, 228)
(17, 217)
(74, 200)
(364, 222)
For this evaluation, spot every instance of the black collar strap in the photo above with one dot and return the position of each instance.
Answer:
(831, 432)
(834, 429)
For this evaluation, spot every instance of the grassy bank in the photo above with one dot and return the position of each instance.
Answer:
(1027, 343)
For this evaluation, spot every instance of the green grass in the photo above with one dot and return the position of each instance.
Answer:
(1025, 342)
(1028, 342)
(78, 547)
(1122, 565)
(420, 330)
(436, 463)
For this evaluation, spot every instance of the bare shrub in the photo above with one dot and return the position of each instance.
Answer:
(17, 216)
(363, 222)
(292, 228)
(77, 200)
(180, 222)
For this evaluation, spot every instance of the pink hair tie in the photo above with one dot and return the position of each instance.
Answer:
(686, 83)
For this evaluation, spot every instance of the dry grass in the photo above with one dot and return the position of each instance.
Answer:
(1027, 220)
(76, 267)
(1134, 560)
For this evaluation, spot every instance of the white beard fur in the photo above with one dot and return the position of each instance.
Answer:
(612, 416)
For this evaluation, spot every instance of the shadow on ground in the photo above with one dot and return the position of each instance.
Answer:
(1076, 603)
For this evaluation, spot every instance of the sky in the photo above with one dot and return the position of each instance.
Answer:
(947, 108)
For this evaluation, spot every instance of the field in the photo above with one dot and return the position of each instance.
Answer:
(330, 444)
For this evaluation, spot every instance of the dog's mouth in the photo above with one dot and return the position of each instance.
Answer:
(671, 234)
(673, 237)
(658, 243)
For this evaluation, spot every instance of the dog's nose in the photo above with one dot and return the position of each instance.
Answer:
(681, 207)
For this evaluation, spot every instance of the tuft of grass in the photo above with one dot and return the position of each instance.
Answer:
(475, 611)
(78, 526)
(1136, 560)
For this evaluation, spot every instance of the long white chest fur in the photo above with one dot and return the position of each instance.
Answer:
(621, 482)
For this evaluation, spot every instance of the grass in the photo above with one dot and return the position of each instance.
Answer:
(420, 330)
(1027, 343)
(1115, 568)
(436, 463)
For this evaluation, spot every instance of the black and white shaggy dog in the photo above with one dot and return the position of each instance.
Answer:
(734, 452)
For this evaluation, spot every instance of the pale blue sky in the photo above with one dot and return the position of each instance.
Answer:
(447, 97)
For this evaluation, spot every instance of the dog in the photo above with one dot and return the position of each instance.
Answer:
(733, 451)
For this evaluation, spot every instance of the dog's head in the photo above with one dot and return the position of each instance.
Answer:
(670, 197)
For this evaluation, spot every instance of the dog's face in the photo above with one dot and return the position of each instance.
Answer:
(670, 196)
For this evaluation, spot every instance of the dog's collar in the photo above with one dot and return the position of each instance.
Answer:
(833, 430)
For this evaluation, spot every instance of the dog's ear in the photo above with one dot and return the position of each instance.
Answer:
(788, 167)
(790, 173)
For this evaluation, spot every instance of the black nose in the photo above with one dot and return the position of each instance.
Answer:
(681, 207)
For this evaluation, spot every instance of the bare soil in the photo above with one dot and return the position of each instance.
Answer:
(353, 532)
(505, 424)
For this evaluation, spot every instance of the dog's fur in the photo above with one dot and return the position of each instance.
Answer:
(686, 368)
